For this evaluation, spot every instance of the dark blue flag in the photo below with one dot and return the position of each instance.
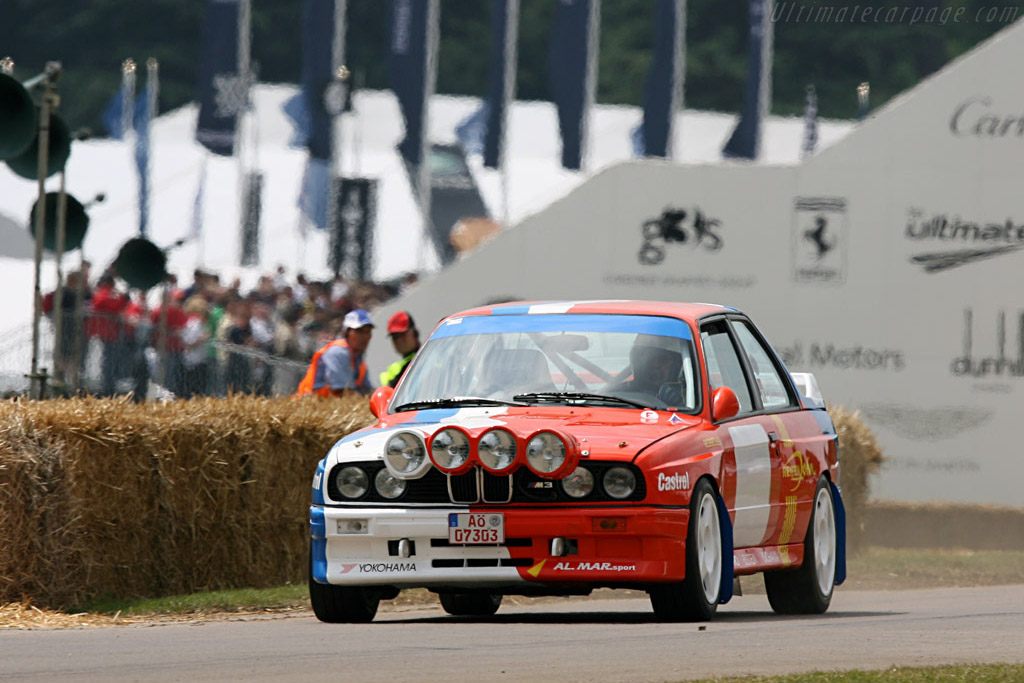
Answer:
(471, 132)
(572, 66)
(222, 92)
(315, 192)
(810, 123)
(745, 141)
(664, 81)
(297, 112)
(501, 80)
(113, 115)
(414, 69)
(143, 119)
(318, 73)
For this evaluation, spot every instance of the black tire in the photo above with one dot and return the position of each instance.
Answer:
(470, 604)
(342, 604)
(808, 590)
(695, 598)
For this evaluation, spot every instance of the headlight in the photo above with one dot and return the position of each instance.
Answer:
(405, 455)
(545, 453)
(619, 482)
(388, 485)
(579, 484)
(497, 449)
(352, 482)
(449, 449)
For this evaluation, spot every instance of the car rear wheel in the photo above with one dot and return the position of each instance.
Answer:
(343, 604)
(695, 598)
(808, 590)
(471, 604)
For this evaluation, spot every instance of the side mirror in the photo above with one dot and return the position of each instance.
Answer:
(724, 404)
(379, 401)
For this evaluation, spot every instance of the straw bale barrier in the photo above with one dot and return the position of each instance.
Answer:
(860, 456)
(105, 497)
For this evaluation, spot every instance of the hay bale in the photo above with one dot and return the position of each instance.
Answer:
(860, 456)
(108, 497)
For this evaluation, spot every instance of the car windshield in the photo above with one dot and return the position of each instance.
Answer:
(626, 361)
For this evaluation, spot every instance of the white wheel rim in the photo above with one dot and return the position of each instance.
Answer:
(824, 541)
(709, 548)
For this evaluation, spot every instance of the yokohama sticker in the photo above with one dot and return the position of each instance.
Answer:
(379, 567)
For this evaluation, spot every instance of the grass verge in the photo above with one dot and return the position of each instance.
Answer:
(969, 673)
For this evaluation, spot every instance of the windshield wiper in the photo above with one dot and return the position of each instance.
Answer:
(453, 402)
(575, 396)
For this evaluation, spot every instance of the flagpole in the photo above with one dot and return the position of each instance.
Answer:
(590, 86)
(244, 18)
(678, 77)
(334, 103)
(152, 100)
(509, 94)
(423, 172)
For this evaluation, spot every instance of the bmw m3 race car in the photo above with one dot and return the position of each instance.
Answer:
(553, 448)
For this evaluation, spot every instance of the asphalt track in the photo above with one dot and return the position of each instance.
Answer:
(563, 641)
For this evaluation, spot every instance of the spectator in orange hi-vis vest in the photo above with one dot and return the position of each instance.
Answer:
(338, 368)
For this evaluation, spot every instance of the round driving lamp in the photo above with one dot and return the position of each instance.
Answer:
(545, 454)
(497, 451)
(352, 482)
(619, 483)
(579, 484)
(388, 485)
(449, 451)
(405, 455)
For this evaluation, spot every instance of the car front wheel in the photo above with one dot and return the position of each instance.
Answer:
(695, 598)
(808, 590)
(343, 604)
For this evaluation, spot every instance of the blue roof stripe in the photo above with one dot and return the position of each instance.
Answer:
(566, 322)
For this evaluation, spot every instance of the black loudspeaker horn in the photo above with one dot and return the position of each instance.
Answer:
(17, 118)
(26, 164)
(75, 224)
(141, 263)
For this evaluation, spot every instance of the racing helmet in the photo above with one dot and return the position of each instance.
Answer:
(656, 359)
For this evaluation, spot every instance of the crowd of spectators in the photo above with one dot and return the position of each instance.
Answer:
(207, 338)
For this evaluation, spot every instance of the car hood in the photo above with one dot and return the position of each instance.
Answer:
(606, 433)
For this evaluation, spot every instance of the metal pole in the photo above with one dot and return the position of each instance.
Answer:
(58, 303)
(49, 101)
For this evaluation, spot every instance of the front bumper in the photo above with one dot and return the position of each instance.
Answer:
(408, 547)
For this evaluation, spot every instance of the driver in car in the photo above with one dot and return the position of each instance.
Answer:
(656, 363)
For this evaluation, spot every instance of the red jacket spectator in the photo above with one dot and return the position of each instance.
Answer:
(176, 319)
(106, 309)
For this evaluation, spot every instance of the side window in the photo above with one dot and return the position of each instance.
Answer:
(766, 377)
(724, 368)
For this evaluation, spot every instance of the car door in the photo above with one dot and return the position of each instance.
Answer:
(748, 458)
(792, 434)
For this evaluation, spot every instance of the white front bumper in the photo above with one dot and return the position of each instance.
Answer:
(366, 559)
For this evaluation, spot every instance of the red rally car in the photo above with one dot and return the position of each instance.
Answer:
(552, 448)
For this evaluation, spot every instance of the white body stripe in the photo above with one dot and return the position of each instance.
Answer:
(753, 484)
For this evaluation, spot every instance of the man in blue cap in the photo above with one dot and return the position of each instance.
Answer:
(338, 368)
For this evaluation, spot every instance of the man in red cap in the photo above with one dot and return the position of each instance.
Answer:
(406, 340)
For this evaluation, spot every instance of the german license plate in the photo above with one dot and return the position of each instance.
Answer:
(476, 528)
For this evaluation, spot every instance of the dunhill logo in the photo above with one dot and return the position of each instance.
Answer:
(984, 240)
(987, 366)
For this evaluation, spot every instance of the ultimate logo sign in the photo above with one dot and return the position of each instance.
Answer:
(677, 226)
(970, 240)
